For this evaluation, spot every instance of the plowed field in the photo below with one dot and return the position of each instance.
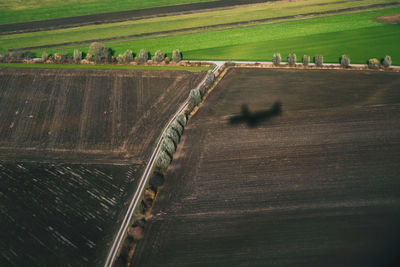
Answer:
(73, 144)
(317, 185)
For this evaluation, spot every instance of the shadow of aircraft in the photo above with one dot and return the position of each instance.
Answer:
(255, 118)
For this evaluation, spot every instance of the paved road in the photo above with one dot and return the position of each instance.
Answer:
(111, 257)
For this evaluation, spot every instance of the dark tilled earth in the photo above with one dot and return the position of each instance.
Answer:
(316, 186)
(73, 144)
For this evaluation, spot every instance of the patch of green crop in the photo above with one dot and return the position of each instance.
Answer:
(12, 11)
(120, 29)
(113, 67)
(359, 35)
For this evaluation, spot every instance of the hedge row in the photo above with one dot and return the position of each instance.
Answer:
(97, 52)
(344, 61)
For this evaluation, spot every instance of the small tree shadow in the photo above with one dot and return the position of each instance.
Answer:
(255, 118)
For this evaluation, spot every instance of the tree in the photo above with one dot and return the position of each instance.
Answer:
(59, 57)
(209, 78)
(182, 119)
(387, 62)
(176, 55)
(126, 57)
(319, 60)
(173, 135)
(276, 59)
(373, 63)
(77, 55)
(99, 52)
(306, 60)
(45, 56)
(163, 161)
(292, 60)
(194, 98)
(177, 127)
(143, 56)
(345, 61)
(159, 56)
(168, 146)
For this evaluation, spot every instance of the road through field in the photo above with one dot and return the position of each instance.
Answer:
(111, 257)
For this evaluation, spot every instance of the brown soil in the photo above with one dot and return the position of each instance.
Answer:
(390, 19)
(316, 186)
(91, 114)
(73, 145)
(119, 16)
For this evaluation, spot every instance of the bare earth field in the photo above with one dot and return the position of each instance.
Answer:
(316, 186)
(73, 144)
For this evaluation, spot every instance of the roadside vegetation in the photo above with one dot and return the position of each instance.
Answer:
(103, 66)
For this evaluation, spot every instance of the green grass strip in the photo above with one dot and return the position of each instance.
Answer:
(104, 67)
(126, 28)
(12, 11)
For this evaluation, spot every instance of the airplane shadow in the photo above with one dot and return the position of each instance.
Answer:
(252, 119)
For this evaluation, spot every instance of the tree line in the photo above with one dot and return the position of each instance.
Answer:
(344, 61)
(97, 53)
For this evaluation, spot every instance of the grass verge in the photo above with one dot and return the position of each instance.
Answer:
(105, 67)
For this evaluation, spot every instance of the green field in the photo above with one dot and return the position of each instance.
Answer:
(356, 33)
(12, 11)
(104, 67)
(120, 29)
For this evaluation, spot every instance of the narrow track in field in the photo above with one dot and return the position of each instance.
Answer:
(111, 257)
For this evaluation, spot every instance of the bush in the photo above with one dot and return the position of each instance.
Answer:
(373, 63)
(177, 127)
(77, 55)
(276, 59)
(291, 60)
(176, 55)
(319, 60)
(59, 58)
(167, 60)
(143, 56)
(19, 55)
(45, 56)
(168, 146)
(209, 78)
(159, 56)
(387, 62)
(99, 52)
(156, 180)
(163, 161)
(194, 98)
(345, 61)
(182, 119)
(202, 89)
(173, 135)
(306, 60)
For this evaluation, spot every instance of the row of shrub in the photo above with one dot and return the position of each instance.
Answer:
(173, 134)
(344, 61)
(98, 53)
(169, 145)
